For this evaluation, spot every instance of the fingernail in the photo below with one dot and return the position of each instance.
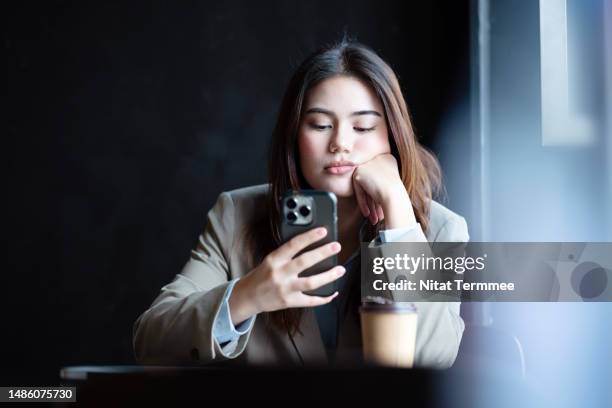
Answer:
(341, 270)
(335, 247)
(322, 231)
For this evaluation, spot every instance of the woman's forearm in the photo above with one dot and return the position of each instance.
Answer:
(398, 209)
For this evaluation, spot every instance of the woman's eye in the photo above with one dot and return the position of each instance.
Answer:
(360, 129)
(319, 127)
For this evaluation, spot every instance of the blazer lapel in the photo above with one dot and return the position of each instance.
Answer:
(349, 336)
(309, 344)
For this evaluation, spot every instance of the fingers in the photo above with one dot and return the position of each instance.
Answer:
(316, 281)
(373, 214)
(313, 257)
(369, 208)
(292, 247)
(379, 212)
(312, 301)
(361, 199)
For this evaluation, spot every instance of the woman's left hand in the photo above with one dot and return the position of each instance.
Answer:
(380, 192)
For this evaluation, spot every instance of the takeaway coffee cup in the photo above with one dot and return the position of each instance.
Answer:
(388, 332)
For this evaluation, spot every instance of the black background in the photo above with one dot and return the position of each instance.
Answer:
(125, 122)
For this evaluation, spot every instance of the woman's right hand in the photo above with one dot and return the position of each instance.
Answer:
(275, 285)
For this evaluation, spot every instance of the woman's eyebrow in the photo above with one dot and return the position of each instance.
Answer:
(330, 113)
(366, 112)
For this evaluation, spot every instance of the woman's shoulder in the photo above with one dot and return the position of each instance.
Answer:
(245, 201)
(249, 191)
(446, 225)
(249, 194)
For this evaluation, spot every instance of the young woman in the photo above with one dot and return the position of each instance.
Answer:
(343, 127)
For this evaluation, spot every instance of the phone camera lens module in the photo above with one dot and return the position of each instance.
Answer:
(305, 211)
(291, 203)
(292, 216)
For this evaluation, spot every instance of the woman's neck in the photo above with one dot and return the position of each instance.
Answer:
(349, 221)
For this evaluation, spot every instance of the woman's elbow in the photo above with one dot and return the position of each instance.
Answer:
(440, 356)
(139, 342)
(147, 341)
(449, 354)
(441, 348)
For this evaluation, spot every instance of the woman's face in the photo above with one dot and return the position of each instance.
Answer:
(343, 125)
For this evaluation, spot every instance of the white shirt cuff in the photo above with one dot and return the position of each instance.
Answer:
(223, 329)
(393, 234)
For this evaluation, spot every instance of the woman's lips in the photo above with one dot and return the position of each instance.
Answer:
(339, 169)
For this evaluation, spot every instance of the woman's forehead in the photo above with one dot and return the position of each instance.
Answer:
(343, 95)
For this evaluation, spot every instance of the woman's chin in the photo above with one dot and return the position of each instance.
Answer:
(340, 189)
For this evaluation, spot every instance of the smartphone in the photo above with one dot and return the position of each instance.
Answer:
(302, 211)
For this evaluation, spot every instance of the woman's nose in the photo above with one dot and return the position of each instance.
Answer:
(339, 143)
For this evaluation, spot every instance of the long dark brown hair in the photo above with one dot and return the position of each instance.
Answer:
(418, 168)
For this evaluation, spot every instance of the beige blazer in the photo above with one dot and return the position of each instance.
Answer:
(178, 327)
